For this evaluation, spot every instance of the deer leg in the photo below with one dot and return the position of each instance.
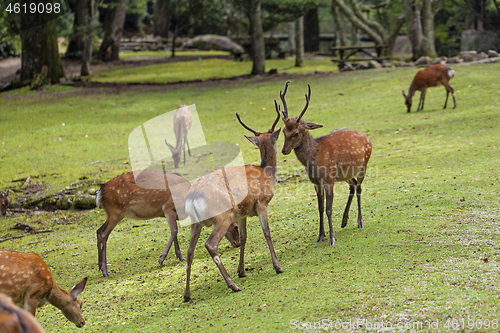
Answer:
(242, 227)
(212, 244)
(358, 195)
(102, 239)
(449, 89)
(446, 100)
(421, 102)
(264, 223)
(352, 189)
(30, 305)
(172, 223)
(195, 234)
(329, 202)
(189, 150)
(321, 209)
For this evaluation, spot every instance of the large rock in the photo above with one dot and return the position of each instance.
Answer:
(454, 60)
(347, 68)
(439, 60)
(386, 64)
(214, 42)
(84, 201)
(482, 56)
(362, 65)
(374, 64)
(403, 64)
(468, 56)
(492, 54)
(423, 61)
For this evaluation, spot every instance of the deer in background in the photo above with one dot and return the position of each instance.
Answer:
(142, 200)
(13, 319)
(431, 76)
(251, 186)
(339, 156)
(4, 203)
(183, 121)
(27, 279)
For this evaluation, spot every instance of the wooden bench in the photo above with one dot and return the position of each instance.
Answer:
(358, 49)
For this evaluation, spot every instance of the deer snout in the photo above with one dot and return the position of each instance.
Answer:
(285, 152)
(80, 324)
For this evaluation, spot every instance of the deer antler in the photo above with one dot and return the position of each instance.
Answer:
(256, 133)
(277, 118)
(282, 96)
(308, 97)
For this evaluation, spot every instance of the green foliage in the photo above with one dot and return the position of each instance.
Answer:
(275, 12)
(428, 252)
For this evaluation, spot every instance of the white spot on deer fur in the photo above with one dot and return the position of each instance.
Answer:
(217, 260)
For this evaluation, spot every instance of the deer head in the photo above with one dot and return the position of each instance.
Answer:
(296, 130)
(4, 203)
(407, 100)
(176, 153)
(72, 310)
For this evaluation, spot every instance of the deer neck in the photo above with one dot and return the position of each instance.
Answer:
(58, 297)
(412, 89)
(268, 161)
(306, 152)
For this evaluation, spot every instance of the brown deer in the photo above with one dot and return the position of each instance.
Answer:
(27, 279)
(245, 191)
(13, 319)
(144, 199)
(339, 156)
(431, 76)
(4, 203)
(183, 121)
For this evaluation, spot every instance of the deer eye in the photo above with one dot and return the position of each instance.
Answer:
(296, 134)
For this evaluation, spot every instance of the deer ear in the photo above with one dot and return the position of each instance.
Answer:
(276, 135)
(311, 126)
(7, 194)
(77, 290)
(253, 140)
(404, 95)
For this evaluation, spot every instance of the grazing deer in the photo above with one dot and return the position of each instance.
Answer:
(251, 186)
(13, 319)
(4, 203)
(144, 199)
(183, 121)
(339, 156)
(27, 279)
(431, 76)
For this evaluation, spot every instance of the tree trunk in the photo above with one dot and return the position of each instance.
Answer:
(257, 35)
(291, 37)
(354, 35)
(411, 9)
(394, 33)
(39, 44)
(311, 31)
(428, 48)
(299, 37)
(76, 42)
(161, 18)
(338, 24)
(374, 25)
(379, 40)
(90, 28)
(110, 46)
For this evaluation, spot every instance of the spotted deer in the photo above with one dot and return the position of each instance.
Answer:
(341, 155)
(14, 319)
(183, 121)
(144, 199)
(27, 279)
(246, 190)
(431, 76)
(4, 203)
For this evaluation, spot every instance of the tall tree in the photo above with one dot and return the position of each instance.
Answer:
(39, 44)
(414, 25)
(311, 30)
(299, 41)
(89, 29)
(113, 28)
(291, 37)
(76, 42)
(257, 34)
(161, 23)
(338, 24)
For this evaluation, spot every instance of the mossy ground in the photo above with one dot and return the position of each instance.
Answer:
(429, 250)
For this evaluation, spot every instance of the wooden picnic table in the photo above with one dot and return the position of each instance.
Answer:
(359, 49)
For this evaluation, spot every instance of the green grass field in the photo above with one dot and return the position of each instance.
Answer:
(428, 255)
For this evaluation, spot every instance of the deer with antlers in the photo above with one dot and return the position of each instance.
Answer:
(431, 76)
(143, 198)
(4, 203)
(245, 191)
(27, 279)
(339, 156)
(183, 121)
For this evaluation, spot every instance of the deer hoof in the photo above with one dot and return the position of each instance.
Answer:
(235, 288)
(242, 274)
(279, 270)
(320, 238)
(187, 298)
(344, 224)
